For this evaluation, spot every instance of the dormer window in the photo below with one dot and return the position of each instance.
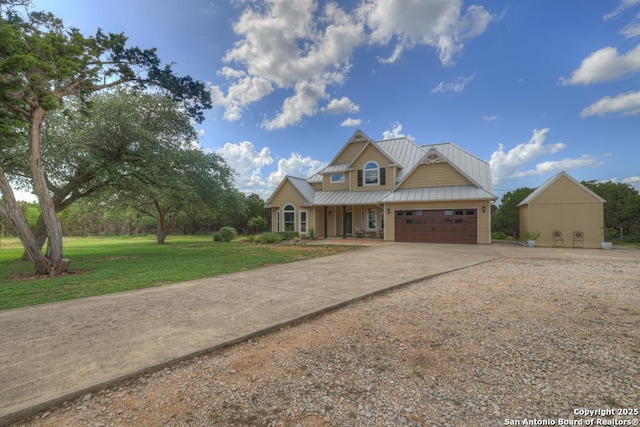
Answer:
(337, 178)
(371, 174)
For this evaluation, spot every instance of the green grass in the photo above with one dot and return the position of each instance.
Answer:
(103, 265)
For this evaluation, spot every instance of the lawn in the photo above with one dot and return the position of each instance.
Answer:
(103, 265)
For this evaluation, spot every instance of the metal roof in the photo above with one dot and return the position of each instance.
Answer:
(345, 197)
(405, 153)
(550, 181)
(304, 188)
(338, 167)
(462, 192)
(315, 178)
(475, 168)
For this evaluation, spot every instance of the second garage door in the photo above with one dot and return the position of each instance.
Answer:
(437, 226)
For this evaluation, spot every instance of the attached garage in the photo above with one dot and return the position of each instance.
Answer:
(436, 226)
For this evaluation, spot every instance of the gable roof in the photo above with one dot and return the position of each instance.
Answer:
(531, 197)
(301, 185)
(358, 136)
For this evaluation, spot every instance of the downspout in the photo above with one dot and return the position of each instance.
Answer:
(326, 223)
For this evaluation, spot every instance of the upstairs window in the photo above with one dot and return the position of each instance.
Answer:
(371, 174)
(337, 178)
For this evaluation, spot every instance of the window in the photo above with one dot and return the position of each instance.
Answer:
(337, 178)
(371, 174)
(289, 218)
(303, 221)
(372, 220)
(278, 221)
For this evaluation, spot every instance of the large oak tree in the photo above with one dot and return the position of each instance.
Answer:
(41, 64)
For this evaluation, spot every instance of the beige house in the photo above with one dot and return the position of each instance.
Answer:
(391, 189)
(564, 206)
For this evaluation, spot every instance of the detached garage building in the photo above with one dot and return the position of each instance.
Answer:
(563, 205)
(391, 189)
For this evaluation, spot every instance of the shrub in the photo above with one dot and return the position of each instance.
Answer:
(499, 236)
(257, 223)
(228, 233)
(312, 233)
(269, 238)
(217, 236)
(288, 235)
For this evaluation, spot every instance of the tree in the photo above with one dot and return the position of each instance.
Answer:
(507, 217)
(622, 207)
(45, 63)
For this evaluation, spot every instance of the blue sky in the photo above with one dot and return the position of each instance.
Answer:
(534, 87)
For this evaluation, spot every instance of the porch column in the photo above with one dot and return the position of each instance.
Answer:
(344, 222)
(325, 223)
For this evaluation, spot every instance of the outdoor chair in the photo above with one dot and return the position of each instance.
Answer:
(359, 232)
(578, 237)
(557, 239)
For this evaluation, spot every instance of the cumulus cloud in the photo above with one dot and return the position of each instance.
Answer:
(247, 163)
(340, 106)
(439, 24)
(555, 166)
(505, 165)
(351, 122)
(626, 103)
(456, 86)
(298, 47)
(395, 132)
(296, 165)
(604, 65)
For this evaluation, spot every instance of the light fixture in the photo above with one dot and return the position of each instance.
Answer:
(329, 212)
(388, 211)
(484, 209)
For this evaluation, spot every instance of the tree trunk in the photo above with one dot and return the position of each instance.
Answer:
(40, 262)
(161, 229)
(47, 207)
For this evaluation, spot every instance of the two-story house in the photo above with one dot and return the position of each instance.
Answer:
(393, 189)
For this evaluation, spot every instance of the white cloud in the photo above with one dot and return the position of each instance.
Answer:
(627, 103)
(505, 165)
(605, 65)
(456, 86)
(435, 23)
(350, 122)
(297, 46)
(632, 29)
(339, 106)
(247, 163)
(624, 5)
(490, 118)
(555, 166)
(295, 165)
(395, 132)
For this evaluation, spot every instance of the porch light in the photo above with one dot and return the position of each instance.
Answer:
(484, 209)
(388, 211)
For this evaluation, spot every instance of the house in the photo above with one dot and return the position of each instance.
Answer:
(392, 189)
(562, 204)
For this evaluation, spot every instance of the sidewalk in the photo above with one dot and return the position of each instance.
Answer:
(53, 352)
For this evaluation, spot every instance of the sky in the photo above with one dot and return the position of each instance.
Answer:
(534, 87)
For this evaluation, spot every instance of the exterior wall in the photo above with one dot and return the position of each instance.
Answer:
(484, 218)
(434, 175)
(372, 154)
(350, 152)
(329, 186)
(563, 190)
(566, 218)
(317, 185)
(287, 194)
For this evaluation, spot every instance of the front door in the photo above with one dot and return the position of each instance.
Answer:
(348, 220)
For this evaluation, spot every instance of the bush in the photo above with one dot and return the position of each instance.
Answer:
(269, 238)
(258, 223)
(499, 236)
(288, 235)
(228, 234)
(217, 236)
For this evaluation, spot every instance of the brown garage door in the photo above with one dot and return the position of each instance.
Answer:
(437, 226)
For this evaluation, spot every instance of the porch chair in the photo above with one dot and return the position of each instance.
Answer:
(359, 232)
(557, 239)
(578, 237)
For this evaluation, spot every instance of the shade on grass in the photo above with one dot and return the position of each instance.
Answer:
(103, 265)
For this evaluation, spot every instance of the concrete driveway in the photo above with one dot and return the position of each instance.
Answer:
(54, 352)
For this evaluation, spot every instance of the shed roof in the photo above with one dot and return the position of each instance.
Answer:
(538, 191)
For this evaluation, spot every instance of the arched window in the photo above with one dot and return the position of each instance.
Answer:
(289, 218)
(371, 174)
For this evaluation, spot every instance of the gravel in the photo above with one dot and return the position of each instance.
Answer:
(502, 342)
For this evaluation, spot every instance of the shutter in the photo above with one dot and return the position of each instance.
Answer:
(383, 180)
(360, 178)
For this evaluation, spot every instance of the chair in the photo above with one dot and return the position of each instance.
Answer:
(359, 232)
(578, 237)
(557, 239)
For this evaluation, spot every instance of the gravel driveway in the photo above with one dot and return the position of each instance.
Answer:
(513, 339)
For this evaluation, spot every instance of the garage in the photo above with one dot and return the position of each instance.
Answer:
(437, 226)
